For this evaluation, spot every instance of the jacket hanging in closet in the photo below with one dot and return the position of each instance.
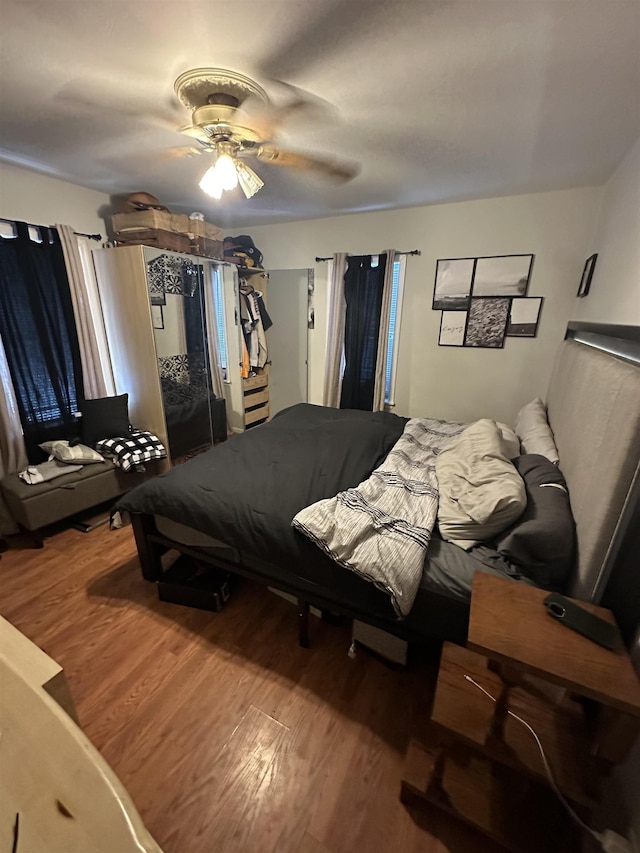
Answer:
(255, 321)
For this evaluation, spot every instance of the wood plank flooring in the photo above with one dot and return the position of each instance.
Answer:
(227, 734)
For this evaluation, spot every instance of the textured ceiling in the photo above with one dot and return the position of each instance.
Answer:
(437, 100)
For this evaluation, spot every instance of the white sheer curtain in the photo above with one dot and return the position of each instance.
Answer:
(213, 342)
(13, 455)
(335, 331)
(383, 334)
(94, 350)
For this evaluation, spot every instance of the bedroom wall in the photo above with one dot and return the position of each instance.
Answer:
(43, 200)
(614, 296)
(456, 383)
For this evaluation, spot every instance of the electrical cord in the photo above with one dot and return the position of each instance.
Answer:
(601, 837)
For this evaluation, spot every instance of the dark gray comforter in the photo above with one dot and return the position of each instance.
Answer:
(246, 491)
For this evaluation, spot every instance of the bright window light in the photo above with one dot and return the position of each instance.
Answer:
(397, 290)
(218, 300)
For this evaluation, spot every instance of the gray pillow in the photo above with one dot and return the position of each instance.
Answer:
(481, 493)
(534, 432)
(542, 541)
(79, 454)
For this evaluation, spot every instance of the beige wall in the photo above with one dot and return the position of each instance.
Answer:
(42, 200)
(615, 288)
(560, 228)
(455, 383)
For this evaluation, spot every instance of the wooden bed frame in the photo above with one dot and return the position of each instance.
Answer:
(594, 411)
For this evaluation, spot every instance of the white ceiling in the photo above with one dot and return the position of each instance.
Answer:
(438, 100)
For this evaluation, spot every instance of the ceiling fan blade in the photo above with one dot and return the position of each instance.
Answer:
(196, 133)
(338, 171)
(96, 97)
(265, 120)
(149, 162)
(319, 33)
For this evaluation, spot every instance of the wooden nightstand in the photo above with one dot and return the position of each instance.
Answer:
(480, 764)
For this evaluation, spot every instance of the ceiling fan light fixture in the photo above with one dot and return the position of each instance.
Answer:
(220, 177)
(248, 180)
(209, 184)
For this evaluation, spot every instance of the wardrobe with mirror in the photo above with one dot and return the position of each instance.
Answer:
(161, 325)
(185, 345)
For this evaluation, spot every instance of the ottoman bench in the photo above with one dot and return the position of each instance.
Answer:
(35, 506)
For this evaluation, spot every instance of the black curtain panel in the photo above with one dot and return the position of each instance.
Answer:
(38, 331)
(363, 285)
(195, 320)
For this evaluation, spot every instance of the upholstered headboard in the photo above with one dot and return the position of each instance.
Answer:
(593, 406)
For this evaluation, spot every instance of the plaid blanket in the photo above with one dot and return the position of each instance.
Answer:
(381, 529)
(132, 452)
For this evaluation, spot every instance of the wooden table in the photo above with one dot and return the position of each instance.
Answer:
(57, 793)
(478, 762)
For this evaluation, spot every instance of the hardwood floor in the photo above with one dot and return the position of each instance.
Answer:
(227, 734)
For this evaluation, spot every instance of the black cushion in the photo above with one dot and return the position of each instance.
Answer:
(105, 417)
(542, 541)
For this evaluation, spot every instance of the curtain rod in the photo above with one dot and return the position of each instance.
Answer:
(97, 237)
(412, 252)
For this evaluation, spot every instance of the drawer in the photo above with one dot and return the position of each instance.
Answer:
(256, 398)
(261, 413)
(259, 381)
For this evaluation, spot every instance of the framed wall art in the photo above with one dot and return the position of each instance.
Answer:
(487, 321)
(484, 300)
(157, 316)
(587, 275)
(452, 326)
(502, 275)
(453, 284)
(524, 317)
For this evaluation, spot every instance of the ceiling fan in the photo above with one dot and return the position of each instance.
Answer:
(233, 118)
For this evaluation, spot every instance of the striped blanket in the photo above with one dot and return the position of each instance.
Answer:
(381, 529)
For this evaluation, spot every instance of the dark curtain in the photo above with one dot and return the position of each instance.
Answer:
(195, 320)
(363, 285)
(38, 331)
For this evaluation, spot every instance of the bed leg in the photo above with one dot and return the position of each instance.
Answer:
(149, 557)
(303, 623)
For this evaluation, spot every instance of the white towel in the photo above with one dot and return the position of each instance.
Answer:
(33, 474)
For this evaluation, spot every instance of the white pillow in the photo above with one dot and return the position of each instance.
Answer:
(79, 454)
(534, 432)
(481, 493)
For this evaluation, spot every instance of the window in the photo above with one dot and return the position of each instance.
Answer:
(399, 266)
(395, 312)
(218, 301)
(37, 327)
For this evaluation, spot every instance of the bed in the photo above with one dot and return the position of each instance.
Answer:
(233, 506)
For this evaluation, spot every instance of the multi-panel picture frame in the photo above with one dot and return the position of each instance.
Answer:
(484, 300)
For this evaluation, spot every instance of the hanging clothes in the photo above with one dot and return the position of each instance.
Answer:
(255, 321)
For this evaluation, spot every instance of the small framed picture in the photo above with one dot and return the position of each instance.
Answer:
(487, 322)
(157, 316)
(452, 326)
(502, 275)
(453, 284)
(524, 317)
(587, 275)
